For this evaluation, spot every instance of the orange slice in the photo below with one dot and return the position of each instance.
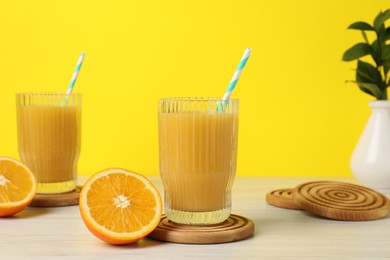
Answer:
(119, 206)
(17, 186)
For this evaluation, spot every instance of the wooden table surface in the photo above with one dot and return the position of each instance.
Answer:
(279, 233)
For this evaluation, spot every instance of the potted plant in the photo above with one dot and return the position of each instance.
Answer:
(370, 162)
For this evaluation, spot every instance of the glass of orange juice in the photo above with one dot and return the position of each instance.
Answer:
(49, 135)
(198, 155)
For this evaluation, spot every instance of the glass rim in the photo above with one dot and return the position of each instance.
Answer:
(198, 98)
(61, 94)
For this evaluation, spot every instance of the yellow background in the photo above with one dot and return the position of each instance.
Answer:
(297, 115)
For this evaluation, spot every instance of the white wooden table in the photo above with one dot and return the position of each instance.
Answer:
(279, 233)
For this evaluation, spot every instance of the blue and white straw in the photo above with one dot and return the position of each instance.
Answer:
(237, 73)
(75, 73)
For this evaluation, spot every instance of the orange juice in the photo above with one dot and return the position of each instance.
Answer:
(198, 151)
(49, 143)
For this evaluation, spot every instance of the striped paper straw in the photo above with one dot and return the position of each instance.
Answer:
(237, 73)
(75, 73)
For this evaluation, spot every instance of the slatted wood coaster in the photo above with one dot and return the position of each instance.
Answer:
(281, 198)
(57, 200)
(341, 201)
(235, 228)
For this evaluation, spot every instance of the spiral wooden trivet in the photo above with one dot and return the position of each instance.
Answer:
(235, 228)
(281, 198)
(57, 200)
(342, 201)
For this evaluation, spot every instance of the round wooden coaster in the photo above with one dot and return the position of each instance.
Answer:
(235, 228)
(57, 200)
(342, 201)
(281, 198)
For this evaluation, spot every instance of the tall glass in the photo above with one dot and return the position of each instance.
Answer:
(49, 135)
(198, 155)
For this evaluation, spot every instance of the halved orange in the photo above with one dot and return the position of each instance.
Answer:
(119, 206)
(17, 186)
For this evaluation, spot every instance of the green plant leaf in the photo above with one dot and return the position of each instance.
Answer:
(387, 35)
(364, 34)
(357, 51)
(385, 52)
(381, 19)
(386, 68)
(367, 73)
(369, 88)
(361, 26)
(376, 54)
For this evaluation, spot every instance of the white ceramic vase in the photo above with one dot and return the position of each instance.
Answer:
(370, 162)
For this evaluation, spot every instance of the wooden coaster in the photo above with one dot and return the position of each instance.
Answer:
(342, 201)
(235, 228)
(281, 198)
(57, 200)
